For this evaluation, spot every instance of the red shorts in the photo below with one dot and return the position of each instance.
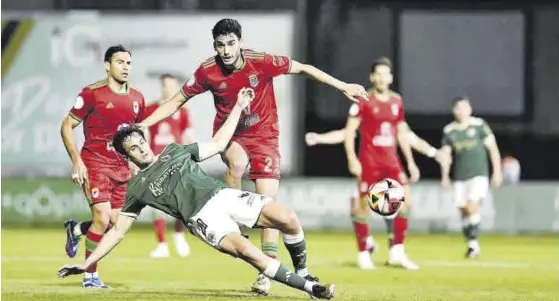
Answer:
(370, 176)
(263, 155)
(106, 184)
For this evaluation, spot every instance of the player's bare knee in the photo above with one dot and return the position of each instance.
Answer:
(101, 215)
(290, 222)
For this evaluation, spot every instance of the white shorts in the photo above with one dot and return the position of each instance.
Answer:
(474, 189)
(225, 213)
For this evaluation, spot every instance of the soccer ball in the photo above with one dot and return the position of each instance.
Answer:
(386, 198)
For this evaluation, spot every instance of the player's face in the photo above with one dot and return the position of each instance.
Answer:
(382, 78)
(120, 66)
(462, 110)
(138, 150)
(169, 86)
(228, 48)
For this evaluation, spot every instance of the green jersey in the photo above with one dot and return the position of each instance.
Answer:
(174, 183)
(468, 145)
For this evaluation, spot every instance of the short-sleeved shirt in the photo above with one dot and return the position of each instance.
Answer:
(260, 118)
(102, 111)
(174, 183)
(379, 120)
(468, 145)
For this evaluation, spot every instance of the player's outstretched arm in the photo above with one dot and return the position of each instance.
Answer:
(445, 166)
(351, 91)
(332, 137)
(221, 139)
(420, 145)
(165, 110)
(403, 141)
(109, 241)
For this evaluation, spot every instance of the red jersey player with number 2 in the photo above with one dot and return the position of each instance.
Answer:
(256, 140)
(382, 127)
(98, 169)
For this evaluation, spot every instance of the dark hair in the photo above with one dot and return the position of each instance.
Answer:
(226, 27)
(458, 99)
(168, 75)
(123, 134)
(114, 49)
(382, 61)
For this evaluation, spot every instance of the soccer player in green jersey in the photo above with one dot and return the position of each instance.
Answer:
(469, 139)
(174, 183)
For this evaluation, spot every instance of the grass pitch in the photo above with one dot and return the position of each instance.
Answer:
(511, 268)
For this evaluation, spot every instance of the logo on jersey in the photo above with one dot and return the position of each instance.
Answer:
(471, 132)
(223, 85)
(278, 61)
(394, 109)
(79, 103)
(110, 106)
(164, 158)
(191, 81)
(136, 107)
(253, 80)
(95, 192)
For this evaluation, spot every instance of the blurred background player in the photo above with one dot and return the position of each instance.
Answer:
(338, 136)
(256, 140)
(382, 127)
(470, 138)
(98, 169)
(174, 129)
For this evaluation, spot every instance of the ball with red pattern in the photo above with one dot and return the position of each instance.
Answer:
(386, 197)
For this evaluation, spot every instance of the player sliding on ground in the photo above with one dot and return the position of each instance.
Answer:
(174, 183)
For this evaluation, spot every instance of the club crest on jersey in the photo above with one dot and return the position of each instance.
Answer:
(95, 192)
(471, 132)
(164, 158)
(136, 106)
(394, 109)
(253, 80)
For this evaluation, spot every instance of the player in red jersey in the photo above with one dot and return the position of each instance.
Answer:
(98, 169)
(382, 127)
(257, 136)
(174, 129)
(338, 137)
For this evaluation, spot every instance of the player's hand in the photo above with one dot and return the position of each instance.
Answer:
(414, 172)
(134, 170)
(445, 182)
(355, 168)
(443, 158)
(352, 91)
(79, 172)
(69, 270)
(245, 96)
(496, 179)
(311, 139)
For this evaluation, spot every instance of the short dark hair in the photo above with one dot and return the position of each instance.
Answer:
(458, 99)
(226, 27)
(123, 134)
(168, 75)
(381, 61)
(114, 49)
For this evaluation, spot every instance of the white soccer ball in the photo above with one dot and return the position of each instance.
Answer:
(386, 198)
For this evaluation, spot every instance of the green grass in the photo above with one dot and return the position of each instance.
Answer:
(512, 268)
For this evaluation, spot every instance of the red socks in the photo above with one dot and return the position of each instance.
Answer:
(91, 243)
(160, 226)
(400, 228)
